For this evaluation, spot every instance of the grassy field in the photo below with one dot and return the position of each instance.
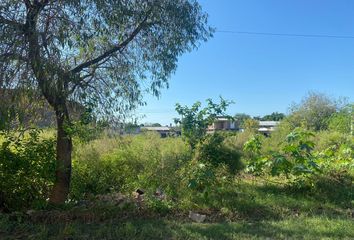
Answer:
(237, 205)
(260, 210)
(292, 228)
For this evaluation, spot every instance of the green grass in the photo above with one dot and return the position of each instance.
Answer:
(254, 210)
(292, 228)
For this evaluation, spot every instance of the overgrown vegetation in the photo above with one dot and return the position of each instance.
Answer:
(27, 170)
(295, 177)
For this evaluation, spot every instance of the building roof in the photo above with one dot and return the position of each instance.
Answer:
(263, 129)
(268, 123)
(222, 119)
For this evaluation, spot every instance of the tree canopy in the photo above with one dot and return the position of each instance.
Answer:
(109, 52)
(101, 54)
(314, 111)
(275, 116)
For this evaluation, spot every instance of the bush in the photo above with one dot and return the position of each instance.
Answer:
(202, 184)
(276, 141)
(238, 140)
(145, 161)
(255, 161)
(295, 159)
(333, 139)
(27, 169)
(214, 151)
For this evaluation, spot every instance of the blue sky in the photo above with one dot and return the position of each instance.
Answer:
(264, 74)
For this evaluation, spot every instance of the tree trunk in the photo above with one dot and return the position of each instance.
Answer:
(61, 186)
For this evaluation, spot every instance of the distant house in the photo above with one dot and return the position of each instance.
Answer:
(266, 127)
(227, 124)
(222, 124)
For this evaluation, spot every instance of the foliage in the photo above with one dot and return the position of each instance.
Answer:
(202, 184)
(250, 125)
(296, 157)
(86, 128)
(238, 140)
(335, 151)
(27, 165)
(206, 185)
(214, 151)
(314, 111)
(331, 139)
(96, 46)
(276, 140)
(199, 176)
(131, 127)
(195, 120)
(103, 53)
(256, 162)
(132, 162)
(240, 118)
(275, 116)
(342, 121)
(155, 125)
(21, 108)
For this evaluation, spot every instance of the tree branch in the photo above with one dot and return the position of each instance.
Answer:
(15, 24)
(28, 4)
(13, 56)
(115, 49)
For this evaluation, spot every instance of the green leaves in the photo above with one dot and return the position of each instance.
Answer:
(295, 157)
(280, 165)
(27, 167)
(257, 162)
(122, 48)
(195, 121)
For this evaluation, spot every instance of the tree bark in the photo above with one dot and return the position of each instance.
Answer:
(61, 186)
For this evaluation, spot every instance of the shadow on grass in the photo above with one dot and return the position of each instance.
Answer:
(337, 189)
(313, 228)
(296, 229)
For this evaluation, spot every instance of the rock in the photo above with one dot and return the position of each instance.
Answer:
(196, 217)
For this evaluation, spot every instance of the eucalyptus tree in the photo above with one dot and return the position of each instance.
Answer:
(105, 53)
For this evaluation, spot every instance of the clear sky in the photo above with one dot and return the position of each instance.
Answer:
(264, 74)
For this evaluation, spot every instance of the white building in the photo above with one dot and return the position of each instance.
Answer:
(266, 127)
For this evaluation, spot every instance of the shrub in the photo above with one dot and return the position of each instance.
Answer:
(201, 184)
(331, 139)
(339, 158)
(256, 162)
(214, 151)
(296, 157)
(27, 169)
(276, 140)
(341, 121)
(195, 121)
(314, 111)
(238, 140)
(145, 161)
